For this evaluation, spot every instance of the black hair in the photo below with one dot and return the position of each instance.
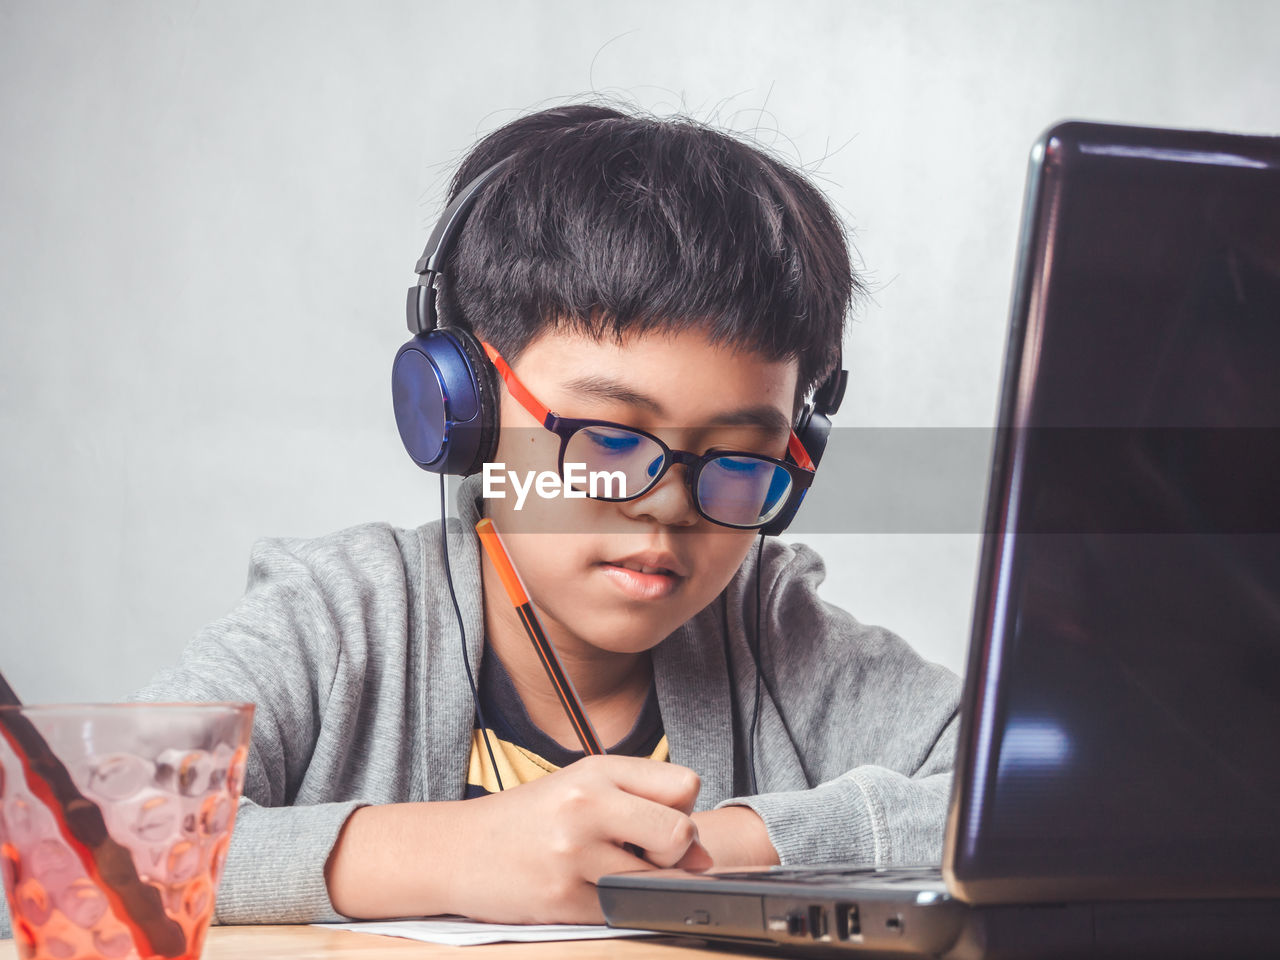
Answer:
(607, 223)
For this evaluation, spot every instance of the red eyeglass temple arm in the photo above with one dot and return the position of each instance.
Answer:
(799, 454)
(517, 389)
(544, 415)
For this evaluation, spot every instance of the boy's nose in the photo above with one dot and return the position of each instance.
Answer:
(669, 502)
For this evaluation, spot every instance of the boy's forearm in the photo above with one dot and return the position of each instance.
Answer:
(392, 860)
(735, 837)
(401, 860)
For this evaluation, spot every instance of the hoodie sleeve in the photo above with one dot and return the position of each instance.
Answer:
(280, 649)
(871, 724)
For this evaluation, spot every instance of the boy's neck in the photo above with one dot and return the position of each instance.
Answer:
(612, 686)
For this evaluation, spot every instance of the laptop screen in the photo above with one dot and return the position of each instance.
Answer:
(1123, 698)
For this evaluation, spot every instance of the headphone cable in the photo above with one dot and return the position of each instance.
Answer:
(462, 632)
(753, 646)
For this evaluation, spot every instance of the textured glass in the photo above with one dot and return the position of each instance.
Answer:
(167, 778)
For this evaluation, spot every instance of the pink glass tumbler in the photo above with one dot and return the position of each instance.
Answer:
(167, 779)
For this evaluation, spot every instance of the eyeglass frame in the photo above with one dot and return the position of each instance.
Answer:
(800, 467)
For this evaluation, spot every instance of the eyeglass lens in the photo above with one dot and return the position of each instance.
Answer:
(740, 491)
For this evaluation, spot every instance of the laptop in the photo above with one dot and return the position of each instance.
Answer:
(1117, 784)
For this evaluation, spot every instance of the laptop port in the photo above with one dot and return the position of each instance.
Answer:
(817, 922)
(847, 925)
(894, 923)
(795, 924)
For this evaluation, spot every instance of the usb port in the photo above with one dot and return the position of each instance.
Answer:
(817, 922)
(847, 924)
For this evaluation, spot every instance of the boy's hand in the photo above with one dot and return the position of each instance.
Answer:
(537, 849)
(736, 837)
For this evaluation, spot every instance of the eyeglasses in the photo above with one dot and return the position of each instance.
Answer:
(732, 488)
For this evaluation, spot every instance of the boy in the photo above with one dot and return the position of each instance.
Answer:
(661, 277)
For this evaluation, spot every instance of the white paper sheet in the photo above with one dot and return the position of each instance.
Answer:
(457, 932)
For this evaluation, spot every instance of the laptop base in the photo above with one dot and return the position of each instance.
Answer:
(901, 912)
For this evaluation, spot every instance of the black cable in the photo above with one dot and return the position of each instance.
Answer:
(754, 648)
(462, 632)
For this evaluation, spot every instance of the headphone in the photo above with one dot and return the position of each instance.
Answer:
(445, 389)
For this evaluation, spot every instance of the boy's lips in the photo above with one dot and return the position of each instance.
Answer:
(645, 576)
(650, 561)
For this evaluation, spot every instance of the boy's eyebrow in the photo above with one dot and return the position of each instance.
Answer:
(602, 388)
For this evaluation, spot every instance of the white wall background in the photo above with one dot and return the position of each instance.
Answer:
(209, 214)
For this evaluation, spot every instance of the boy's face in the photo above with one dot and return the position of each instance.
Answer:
(580, 558)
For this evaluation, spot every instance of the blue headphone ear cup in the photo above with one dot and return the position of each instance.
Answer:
(485, 377)
(443, 391)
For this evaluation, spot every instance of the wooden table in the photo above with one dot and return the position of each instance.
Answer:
(316, 943)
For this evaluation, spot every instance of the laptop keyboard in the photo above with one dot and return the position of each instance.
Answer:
(828, 874)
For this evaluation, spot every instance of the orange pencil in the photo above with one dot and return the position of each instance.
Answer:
(546, 653)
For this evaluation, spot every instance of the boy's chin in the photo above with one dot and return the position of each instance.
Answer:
(624, 645)
(625, 632)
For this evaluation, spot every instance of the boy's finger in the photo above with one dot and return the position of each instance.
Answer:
(697, 857)
(666, 783)
(663, 833)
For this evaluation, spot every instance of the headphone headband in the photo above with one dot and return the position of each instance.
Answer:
(830, 392)
(420, 311)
